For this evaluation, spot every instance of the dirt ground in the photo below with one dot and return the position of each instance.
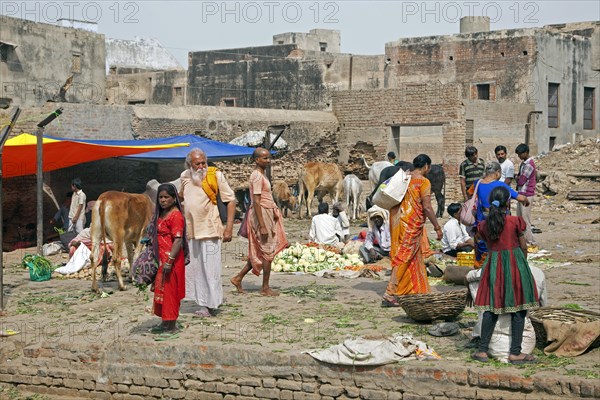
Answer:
(312, 312)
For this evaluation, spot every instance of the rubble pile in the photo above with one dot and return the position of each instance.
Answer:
(570, 168)
(583, 156)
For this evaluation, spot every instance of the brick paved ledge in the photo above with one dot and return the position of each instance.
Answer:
(170, 370)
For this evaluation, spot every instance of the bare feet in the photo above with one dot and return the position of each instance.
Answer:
(269, 292)
(237, 282)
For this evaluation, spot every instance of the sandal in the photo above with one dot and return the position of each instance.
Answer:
(166, 336)
(475, 357)
(202, 313)
(157, 329)
(528, 359)
(389, 301)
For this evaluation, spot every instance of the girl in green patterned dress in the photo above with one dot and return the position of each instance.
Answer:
(507, 285)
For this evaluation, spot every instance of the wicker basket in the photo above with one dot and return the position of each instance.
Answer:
(434, 306)
(565, 315)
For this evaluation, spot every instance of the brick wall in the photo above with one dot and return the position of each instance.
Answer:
(497, 124)
(501, 60)
(134, 371)
(82, 121)
(367, 117)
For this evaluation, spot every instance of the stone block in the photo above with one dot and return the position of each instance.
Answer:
(290, 385)
(409, 396)
(547, 385)
(229, 397)
(122, 388)
(373, 394)
(73, 383)
(7, 378)
(210, 387)
(24, 379)
(255, 382)
(394, 396)
(156, 392)
(101, 387)
(266, 393)
(306, 396)
(352, 392)
(141, 390)
(247, 391)
(126, 396)
(286, 395)
(330, 390)
(587, 389)
(228, 388)
(61, 391)
(268, 382)
(309, 387)
(174, 394)
(156, 382)
(138, 380)
(331, 381)
(89, 385)
(210, 396)
(192, 384)
(121, 379)
(174, 384)
(100, 395)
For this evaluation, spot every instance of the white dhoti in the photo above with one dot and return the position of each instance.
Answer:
(203, 273)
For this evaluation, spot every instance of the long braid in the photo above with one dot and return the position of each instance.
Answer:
(497, 215)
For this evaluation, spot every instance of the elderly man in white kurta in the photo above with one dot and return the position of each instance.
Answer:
(205, 231)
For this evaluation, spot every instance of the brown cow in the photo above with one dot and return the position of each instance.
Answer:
(283, 197)
(123, 218)
(324, 177)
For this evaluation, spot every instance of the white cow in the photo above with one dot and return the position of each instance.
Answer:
(375, 170)
(353, 189)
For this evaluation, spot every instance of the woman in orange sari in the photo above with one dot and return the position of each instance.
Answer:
(409, 239)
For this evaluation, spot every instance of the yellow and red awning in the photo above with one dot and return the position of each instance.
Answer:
(19, 153)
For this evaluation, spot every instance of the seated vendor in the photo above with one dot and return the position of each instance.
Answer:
(378, 241)
(455, 237)
(339, 213)
(325, 229)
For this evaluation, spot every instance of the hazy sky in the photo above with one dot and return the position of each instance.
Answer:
(183, 26)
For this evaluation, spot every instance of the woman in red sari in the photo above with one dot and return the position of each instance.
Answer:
(409, 239)
(170, 249)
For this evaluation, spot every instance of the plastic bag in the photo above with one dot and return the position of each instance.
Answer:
(391, 192)
(50, 249)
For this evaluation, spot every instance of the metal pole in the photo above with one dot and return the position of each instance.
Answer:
(40, 177)
(40, 189)
(266, 144)
(3, 137)
(269, 145)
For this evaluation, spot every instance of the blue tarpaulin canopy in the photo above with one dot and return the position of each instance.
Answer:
(214, 150)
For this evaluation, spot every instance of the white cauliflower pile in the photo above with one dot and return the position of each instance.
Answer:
(301, 258)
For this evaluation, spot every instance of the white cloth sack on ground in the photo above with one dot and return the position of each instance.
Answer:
(500, 342)
(50, 249)
(372, 352)
(80, 258)
(332, 273)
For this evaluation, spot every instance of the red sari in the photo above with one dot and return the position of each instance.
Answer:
(169, 292)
